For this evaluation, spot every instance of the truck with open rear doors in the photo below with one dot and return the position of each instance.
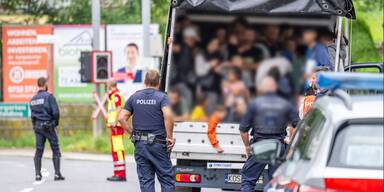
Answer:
(198, 165)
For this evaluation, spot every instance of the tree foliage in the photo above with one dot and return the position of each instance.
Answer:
(80, 11)
(33, 8)
(369, 5)
(159, 13)
(128, 13)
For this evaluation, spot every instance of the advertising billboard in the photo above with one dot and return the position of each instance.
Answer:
(69, 41)
(24, 61)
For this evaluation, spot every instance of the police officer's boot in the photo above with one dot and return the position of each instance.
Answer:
(38, 168)
(56, 165)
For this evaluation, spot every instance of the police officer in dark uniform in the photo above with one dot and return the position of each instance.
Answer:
(268, 116)
(45, 118)
(152, 134)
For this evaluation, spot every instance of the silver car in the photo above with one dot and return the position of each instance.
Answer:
(337, 147)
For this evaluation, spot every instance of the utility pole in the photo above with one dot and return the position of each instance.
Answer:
(98, 122)
(146, 22)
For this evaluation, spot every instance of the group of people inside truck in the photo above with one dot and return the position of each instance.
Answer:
(216, 68)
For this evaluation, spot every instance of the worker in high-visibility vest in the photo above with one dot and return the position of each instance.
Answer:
(115, 101)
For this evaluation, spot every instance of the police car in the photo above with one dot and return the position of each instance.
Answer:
(338, 146)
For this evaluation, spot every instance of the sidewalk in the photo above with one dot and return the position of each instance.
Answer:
(64, 155)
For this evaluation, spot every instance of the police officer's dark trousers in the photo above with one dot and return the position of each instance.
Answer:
(150, 159)
(252, 170)
(41, 136)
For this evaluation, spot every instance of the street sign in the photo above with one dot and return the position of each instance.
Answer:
(20, 110)
(100, 106)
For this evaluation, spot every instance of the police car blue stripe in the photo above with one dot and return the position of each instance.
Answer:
(356, 81)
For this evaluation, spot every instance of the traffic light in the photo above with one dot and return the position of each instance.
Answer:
(85, 67)
(101, 66)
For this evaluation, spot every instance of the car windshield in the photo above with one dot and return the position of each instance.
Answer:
(307, 139)
(359, 146)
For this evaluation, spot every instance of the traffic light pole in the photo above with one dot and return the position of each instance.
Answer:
(97, 123)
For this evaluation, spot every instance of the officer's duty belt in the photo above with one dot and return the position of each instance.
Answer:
(148, 138)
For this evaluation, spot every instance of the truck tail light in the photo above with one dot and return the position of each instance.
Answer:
(188, 178)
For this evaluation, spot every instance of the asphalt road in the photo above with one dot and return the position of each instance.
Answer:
(17, 175)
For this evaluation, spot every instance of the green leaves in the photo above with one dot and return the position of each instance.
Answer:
(35, 9)
(80, 11)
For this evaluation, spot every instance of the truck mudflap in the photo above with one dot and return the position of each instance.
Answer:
(204, 177)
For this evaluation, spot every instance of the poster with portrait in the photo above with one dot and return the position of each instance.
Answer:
(128, 64)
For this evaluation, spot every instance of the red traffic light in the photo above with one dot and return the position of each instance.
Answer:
(101, 66)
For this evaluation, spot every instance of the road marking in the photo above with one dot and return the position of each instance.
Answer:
(27, 189)
(44, 172)
(38, 182)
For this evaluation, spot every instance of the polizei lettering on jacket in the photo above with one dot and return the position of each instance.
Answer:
(37, 102)
(146, 101)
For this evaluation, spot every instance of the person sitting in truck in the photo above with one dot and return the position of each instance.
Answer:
(222, 37)
(270, 39)
(242, 43)
(198, 112)
(237, 112)
(237, 30)
(178, 105)
(217, 116)
(282, 65)
(284, 82)
(182, 22)
(183, 70)
(289, 49)
(316, 51)
(234, 88)
(207, 65)
(327, 38)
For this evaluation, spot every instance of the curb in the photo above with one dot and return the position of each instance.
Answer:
(64, 155)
